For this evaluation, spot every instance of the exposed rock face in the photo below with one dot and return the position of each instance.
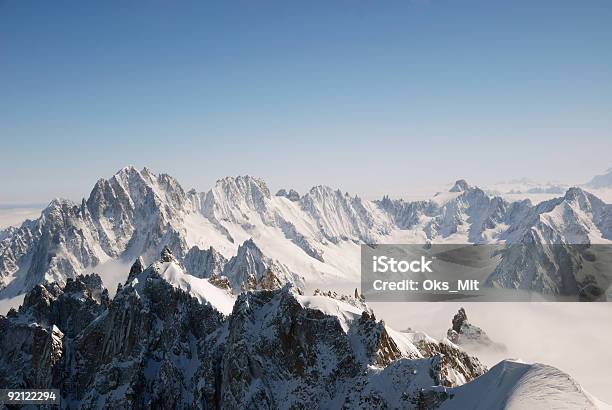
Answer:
(137, 268)
(221, 282)
(292, 195)
(465, 334)
(134, 212)
(380, 348)
(460, 186)
(35, 339)
(250, 270)
(204, 263)
(459, 319)
(145, 349)
(156, 346)
(167, 256)
(322, 360)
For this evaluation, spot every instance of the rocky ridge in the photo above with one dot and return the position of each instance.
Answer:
(157, 345)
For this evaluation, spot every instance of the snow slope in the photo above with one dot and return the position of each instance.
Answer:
(201, 289)
(521, 386)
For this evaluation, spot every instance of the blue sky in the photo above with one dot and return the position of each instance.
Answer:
(370, 97)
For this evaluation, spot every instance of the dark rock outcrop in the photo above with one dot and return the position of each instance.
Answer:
(465, 334)
(292, 195)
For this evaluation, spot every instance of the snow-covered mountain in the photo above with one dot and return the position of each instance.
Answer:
(601, 181)
(215, 313)
(465, 215)
(542, 255)
(170, 340)
(139, 213)
(238, 231)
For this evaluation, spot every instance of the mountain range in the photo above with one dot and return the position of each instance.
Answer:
(210, 304)
(170, 340)
(239, 232)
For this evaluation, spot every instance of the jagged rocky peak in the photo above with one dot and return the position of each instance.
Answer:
(166, 255)
(330, 355)
(292, 195)
(248, 250)
(220, 281)
(249, 244)
(585, 200)
(174, 192)
(242, 186)
(459, 319)
(213, 291)
(158, 347)
(234, 198)
(137, 267)
(204, 263)
(71, 307)
(40, 298)
(380, 348)
(130, 189)
(323, 191)
(250, 269)
(60, 211)
(591, 204)
(461, 185)
(465, 334)
(126, 185)
(85, 284)
(131, 213)
(113, 344)
(341, 217)
(154, 326)
(387, 202)
(574, 193)
(322, 194)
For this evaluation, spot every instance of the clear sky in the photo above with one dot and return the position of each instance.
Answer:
(367, 96)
